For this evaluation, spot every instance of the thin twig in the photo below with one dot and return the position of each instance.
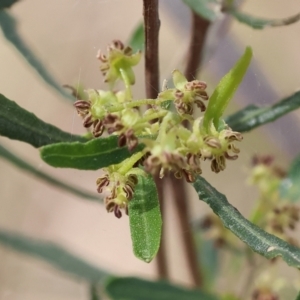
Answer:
(151, 25)
(198, 34)
(180, 199)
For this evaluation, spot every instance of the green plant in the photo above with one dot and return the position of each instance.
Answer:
(146, 139)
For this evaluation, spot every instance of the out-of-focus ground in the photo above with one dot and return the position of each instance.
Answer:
(66, 36)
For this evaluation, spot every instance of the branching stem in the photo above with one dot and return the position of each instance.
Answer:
(127, 84)
(151, 25)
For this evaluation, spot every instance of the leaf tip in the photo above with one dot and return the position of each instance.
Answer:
(249, 50)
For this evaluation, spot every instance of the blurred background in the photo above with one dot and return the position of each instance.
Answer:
(66, 35)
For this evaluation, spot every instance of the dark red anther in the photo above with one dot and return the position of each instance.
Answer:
(117, 212)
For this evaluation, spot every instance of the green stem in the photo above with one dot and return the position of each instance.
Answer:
(127, 84)
(136, 103)
(128, 163)
(155, 115)
(170, 120)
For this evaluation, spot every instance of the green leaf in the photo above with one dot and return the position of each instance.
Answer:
(260, 23)
(7, 3)
(18, 124)
(290, 187)
(30, 169)
(131, 288)
(137, 39)
(53, 254)
(225, 90)
(253, 116)
(204, 8)
(145, 219)
(298, 297)
(9, 29)
(257, 239)
(92, 155)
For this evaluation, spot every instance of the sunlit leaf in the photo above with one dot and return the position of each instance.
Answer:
(260, 23)
(256, 238)
(137, 39)
(145, 219)
(92, 155)
(253, 116)
(131, 288)
(225, 90)
(53, 254)
(9, 29)
(30, 169)
(19, 124)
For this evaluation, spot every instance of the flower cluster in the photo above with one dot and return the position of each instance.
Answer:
(120, 187)
(279, 215)
(185, 94)
(169, 145)
(182, 150)
(119, 62)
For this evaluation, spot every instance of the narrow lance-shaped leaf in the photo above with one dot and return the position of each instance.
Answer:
(256, 238)
(30, 169)
(145, 219)
(137, 39)
(7, 3)
(131, 288)
(261, 23)
(19, 124)
(253, 116)
(8, 26)
(93, 155)
(204, 8)
(290, 187)
(225, 90)
(53, 254)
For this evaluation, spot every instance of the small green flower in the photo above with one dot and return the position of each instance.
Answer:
(95, 109)
(162, 160)
(214, 145)
(101, 101)
(186, 94)
(120, 186)
(165, 152)
(118, 63)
